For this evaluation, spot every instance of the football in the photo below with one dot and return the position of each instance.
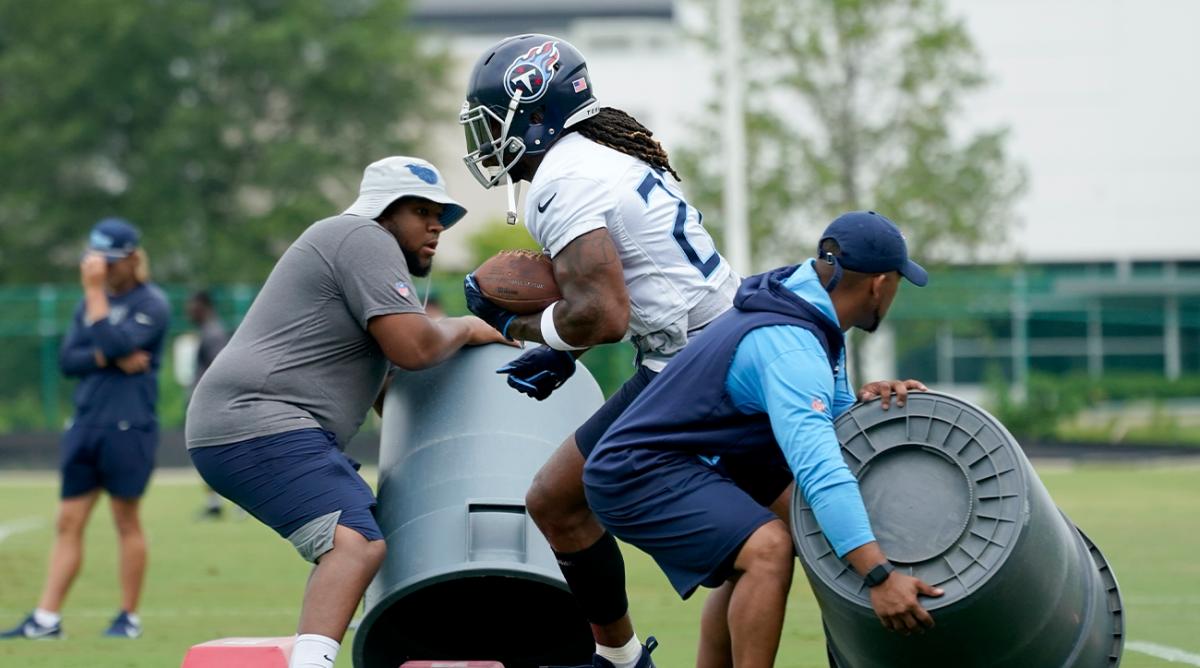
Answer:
(521, 281)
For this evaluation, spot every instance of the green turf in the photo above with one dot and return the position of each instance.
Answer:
(236, 578)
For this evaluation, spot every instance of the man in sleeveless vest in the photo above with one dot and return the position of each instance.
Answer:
(763, 383)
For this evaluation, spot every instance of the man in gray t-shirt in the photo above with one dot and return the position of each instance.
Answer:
(268, 421)
(304, 357)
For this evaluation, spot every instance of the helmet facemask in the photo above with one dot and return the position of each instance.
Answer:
(502, 150)
(491, 155)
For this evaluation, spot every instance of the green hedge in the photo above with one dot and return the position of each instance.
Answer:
(1052, 403)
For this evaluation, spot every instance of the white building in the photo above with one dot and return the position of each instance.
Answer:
(638, 58)
(1100, 96)
(1102, 103)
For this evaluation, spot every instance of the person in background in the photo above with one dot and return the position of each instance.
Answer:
(114, 348)
(202, 313)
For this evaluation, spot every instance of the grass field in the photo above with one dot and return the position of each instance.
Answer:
(236, 578)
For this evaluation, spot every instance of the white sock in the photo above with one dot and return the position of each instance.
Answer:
(134, 618)
(313, 651)
(45, 617)
(625, 656)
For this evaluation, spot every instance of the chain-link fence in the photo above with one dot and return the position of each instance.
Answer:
(969, 326)
(33, 320)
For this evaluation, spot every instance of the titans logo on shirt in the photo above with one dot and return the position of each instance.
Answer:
(117, 313)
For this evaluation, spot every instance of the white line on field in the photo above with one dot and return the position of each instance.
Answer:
(1172, 654)
(151, 612)
(165, 476)
(17, 526)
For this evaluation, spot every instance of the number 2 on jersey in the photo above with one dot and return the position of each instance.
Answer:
(705, 267)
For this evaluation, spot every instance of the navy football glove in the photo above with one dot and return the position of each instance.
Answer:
(540, 371)
(496, 316)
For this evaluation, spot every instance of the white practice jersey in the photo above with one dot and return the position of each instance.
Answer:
(677, 281)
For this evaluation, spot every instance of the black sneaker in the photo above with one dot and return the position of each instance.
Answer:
(123, 627)
(31, 629)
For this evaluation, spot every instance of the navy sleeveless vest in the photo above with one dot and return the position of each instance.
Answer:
(687, 408)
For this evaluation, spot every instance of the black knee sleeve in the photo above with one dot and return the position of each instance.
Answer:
(596, 576)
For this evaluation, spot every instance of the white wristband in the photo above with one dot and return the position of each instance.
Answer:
(550, 334)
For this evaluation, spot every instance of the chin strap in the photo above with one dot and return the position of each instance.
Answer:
(514, 192)
(514, 189)
(837, 271)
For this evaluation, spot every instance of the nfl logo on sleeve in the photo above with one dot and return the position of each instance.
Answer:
(402, 288)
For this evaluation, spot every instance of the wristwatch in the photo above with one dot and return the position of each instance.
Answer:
(877, 575)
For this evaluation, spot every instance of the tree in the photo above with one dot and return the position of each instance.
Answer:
(852, 104)
(221, 128)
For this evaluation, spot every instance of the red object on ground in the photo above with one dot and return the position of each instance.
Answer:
(452, 664)
(241, 653)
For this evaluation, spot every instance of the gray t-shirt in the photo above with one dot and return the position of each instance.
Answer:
(303, 357)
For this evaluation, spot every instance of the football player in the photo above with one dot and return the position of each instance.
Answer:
(631, 257)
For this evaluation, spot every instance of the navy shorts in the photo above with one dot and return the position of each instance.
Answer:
(689, 516)
(589, 434)
(763, 474)
(299, 483)
(118, 460)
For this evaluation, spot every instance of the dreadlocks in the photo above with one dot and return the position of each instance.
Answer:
(621, 132)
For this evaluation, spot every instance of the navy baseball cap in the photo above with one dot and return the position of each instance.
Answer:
(115, 238)
(872, 244)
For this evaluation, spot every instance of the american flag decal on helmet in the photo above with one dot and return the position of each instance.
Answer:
(579, 84)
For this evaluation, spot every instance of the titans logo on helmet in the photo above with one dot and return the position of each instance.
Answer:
(531, 73)
(424, 173)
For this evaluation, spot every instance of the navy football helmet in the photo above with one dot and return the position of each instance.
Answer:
(523, 92)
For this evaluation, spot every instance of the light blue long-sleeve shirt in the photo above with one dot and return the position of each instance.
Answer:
(783, 371)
